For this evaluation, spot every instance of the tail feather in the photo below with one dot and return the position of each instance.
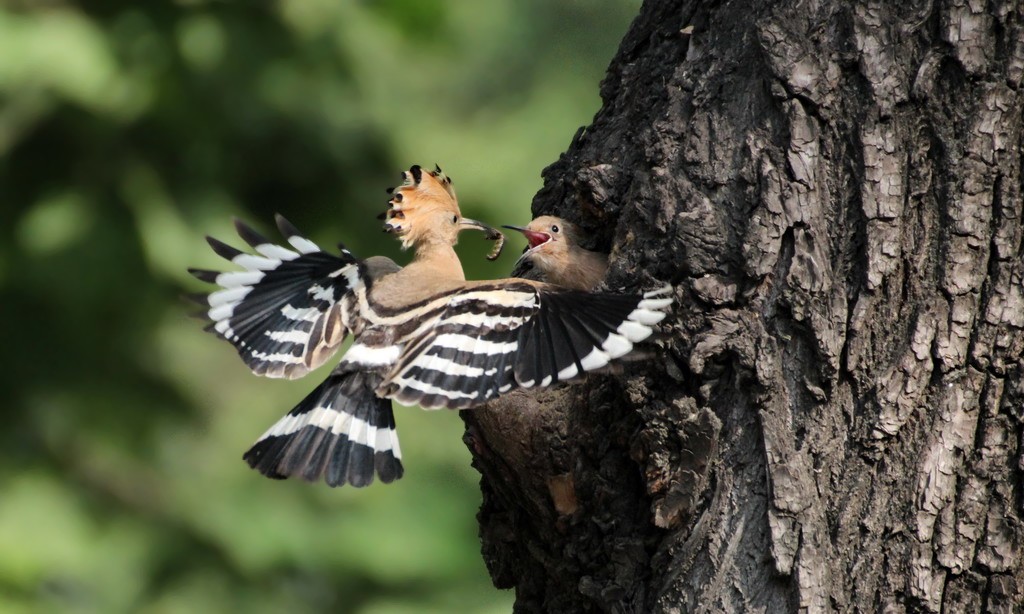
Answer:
(341, 432)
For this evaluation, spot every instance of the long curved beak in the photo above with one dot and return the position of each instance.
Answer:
(491, 233)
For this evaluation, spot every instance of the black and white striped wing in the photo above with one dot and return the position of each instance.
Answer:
(283, 312)
(519, 335)
(575, 332)
(468, 355)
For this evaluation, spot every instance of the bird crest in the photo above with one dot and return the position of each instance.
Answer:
(418, 205)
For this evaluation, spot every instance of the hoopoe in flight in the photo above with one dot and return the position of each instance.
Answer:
(555, 253)
(422, 334)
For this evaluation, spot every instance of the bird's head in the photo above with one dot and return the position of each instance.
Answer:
(424, 210)
(549, 239)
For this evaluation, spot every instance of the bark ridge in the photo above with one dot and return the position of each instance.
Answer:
(834, 419)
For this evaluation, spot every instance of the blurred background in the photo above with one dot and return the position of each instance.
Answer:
(128, 130)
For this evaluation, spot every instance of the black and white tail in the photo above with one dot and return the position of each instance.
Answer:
(342, 432)
(284, 311)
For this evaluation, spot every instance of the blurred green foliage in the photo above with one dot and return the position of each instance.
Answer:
(128, 130)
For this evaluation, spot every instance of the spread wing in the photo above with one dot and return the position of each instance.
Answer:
(491, 339)
(283, 312)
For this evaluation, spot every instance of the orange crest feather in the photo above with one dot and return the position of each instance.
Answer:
(422, 192)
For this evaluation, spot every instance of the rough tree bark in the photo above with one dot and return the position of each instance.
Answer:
(834, 420)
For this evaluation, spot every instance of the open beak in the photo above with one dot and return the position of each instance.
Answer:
(491, 234)
(533, 237)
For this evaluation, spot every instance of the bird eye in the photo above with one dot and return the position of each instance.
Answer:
(554, 228)
(455, 219)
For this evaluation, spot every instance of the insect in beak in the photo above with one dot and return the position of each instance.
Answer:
(490, 234)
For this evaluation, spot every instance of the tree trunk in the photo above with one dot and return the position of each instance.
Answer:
(833, 421)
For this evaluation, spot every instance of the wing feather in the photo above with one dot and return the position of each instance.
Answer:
(518, 335)
(282, 311)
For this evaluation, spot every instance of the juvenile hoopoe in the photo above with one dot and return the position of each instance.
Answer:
(422, 334)
(555, 253)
